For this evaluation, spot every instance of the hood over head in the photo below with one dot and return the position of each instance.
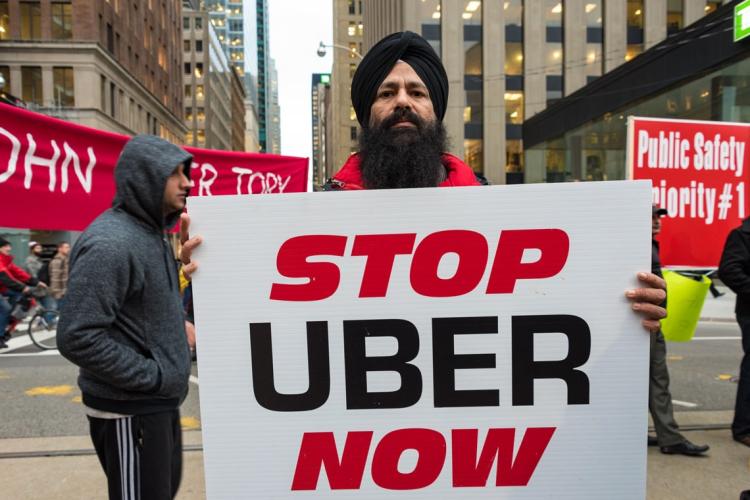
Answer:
(141, 175)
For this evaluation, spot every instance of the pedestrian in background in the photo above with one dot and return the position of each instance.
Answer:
(734, 271)
(668, 435)
(34, 262)
(58, 272)
(122, 322)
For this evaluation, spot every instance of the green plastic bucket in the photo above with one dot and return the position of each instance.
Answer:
(685, 297)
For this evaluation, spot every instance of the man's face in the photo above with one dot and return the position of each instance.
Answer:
(5, 250)
(36, 250)
(655, 225)
(402, 90)
(64, 248)
(176, 191)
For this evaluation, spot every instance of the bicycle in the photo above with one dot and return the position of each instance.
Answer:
(42, 328)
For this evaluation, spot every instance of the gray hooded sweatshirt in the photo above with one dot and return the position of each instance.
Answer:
(122, 318)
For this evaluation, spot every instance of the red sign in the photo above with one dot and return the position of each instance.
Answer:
(699, 171)
(57, 175)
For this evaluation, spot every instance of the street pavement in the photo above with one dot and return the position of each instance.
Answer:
(45, 451)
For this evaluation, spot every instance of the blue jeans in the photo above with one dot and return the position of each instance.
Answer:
(49, 303)
(7, 301)
(5, 309)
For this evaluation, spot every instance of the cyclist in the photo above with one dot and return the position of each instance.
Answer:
(14, 283)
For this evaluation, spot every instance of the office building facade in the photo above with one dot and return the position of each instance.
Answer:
(111, 65)
(508, 60)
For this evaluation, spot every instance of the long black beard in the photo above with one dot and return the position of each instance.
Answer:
(402, 157)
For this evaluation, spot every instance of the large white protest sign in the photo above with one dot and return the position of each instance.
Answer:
(425, 343)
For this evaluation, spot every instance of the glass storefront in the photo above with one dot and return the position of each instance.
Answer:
(596, 151)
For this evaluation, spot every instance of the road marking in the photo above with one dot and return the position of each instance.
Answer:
(686, 404)
(50, 390)
(717, 338)
(194, 379)
(190, 423)
(29, 354)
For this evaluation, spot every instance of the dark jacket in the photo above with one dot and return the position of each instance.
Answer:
(122, 320)
(734, 268)
(655, 261)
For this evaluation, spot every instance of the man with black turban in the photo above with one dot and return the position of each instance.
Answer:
(400, 92)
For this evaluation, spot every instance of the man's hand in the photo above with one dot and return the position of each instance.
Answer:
(188, 245)
(648, 300)
(190, 333)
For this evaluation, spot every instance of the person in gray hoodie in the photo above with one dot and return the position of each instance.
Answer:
(122, 323)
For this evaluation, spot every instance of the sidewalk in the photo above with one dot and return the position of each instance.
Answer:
(721, 475)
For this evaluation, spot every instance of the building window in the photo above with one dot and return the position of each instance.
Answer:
(63, 87)
(352, 31)
(199, 45)
(186, 45)
(675, 16)
(187, 68)
(199, 23)
(513, 156)
(186, 23)
(352, 8)
(4, 21)
(353, 133)
(199, 93)
(189, 114)
(634, 29)
(188, 91)
(110, 39)
(514, 108)
(352, 113)
(711, 6)
(201, 136)
(594, 38)
(31, 83)
(62, 21)
(5, 72)
(112, 94)
(31, 25)
(428, 19)
(200, 113)
(473, 99)
(103, 93)
(199, 70)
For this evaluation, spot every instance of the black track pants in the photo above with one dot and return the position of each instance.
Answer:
(141, 455)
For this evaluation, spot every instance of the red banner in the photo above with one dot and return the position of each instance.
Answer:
(58, 175)
(700, 172)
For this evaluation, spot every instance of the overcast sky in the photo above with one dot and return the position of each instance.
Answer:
(296, 30)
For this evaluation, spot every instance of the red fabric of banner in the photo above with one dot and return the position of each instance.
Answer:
(58, 175)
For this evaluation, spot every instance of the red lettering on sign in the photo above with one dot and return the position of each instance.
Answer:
(318, 451)
(430, 446)
(323, 277)
(381, 251)
(471, 248)
(508, 268)
(498, 444)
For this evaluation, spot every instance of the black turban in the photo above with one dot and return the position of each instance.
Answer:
(380, 60)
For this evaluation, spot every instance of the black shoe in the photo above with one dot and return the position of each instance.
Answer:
(3, 345)
(685, 448)
(745, 439)
(652, 441)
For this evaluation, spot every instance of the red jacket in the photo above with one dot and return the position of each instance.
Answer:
(11, 276)
(459, 174)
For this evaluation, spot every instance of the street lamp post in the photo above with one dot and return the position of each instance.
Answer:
(322, 49)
